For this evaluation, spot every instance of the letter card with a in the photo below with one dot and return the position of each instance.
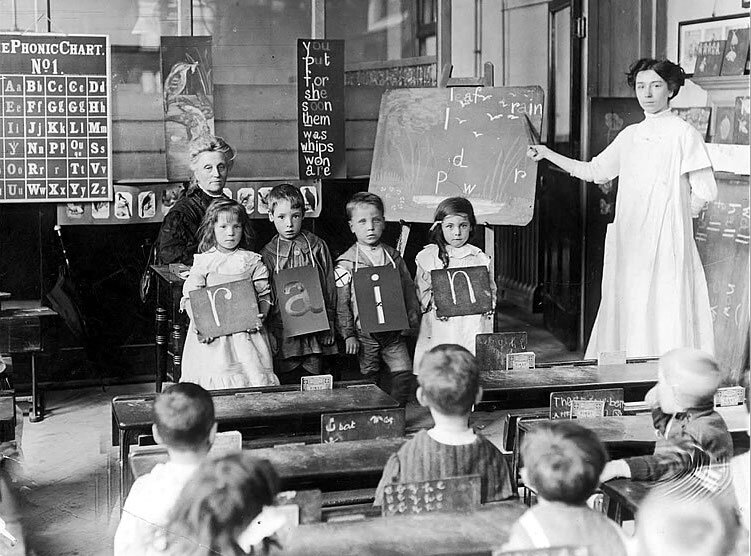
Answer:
(461, 291)
(300, 300)
(225, 308)
(380, 299)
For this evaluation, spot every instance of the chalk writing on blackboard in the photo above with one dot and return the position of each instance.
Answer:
(437, 143)
(492, 349)
(459, 494)
(562, 404)
(362, 425)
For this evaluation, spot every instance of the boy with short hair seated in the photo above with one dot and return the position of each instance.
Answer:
(670, 523)
(692, 435)
(562, 464)
(449, 386)
(184, 424)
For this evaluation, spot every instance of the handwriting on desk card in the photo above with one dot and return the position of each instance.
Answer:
(730, 396)
(587, 409)
(580, 404)
(362, 425)
(318, 382)
(611, 358)
(458, 494)
(520, 361)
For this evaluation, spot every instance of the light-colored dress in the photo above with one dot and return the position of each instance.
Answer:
(456, 330)
(654, 292)
(238, 360)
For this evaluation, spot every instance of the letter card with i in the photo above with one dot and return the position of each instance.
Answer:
(380, 299)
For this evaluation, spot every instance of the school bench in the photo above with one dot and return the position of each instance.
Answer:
(532, 387)
(256, 412)
(480, 531)
(334, 466)
(628, 435)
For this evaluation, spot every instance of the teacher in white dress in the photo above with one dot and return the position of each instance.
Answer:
(654, 292)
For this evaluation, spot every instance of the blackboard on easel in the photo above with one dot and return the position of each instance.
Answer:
(457, 141)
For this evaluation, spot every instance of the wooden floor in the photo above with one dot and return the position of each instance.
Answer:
(67, 478)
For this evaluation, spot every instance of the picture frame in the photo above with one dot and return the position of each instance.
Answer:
(692, 32)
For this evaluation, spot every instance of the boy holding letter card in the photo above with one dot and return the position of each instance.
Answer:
(376, 298)
(442, 290)
(302, 321)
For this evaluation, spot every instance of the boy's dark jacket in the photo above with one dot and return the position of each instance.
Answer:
(697, 437)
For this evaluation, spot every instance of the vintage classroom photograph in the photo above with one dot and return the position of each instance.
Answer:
(374, 277)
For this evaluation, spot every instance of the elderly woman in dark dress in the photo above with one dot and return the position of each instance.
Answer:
(210, 159)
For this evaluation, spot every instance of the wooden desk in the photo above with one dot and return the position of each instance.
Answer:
(248, 408)
(633, 433)
(328, 467)
(437, 533)
(538, 383)
(624, 497)
(170, 325)
(21, 332)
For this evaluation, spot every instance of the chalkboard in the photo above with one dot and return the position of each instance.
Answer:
(320, 110)
(55, 118)
(491, 349)
(455, 494)
(362, 425)
(461, 291)
(437, 143)
(563, 406)
(722, 236)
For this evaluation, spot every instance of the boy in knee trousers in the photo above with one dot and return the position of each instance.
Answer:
(183, 423)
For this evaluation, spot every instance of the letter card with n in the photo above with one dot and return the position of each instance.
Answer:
(461, 291)
(300, 300)
(225, 308)
(380, 299)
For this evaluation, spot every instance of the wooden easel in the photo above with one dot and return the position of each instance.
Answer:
(487, 80)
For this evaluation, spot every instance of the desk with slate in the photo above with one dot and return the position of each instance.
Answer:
(254, 411)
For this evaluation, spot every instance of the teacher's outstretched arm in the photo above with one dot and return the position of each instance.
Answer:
(601, 169)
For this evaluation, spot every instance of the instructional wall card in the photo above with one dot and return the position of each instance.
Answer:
(55, 118)
(320, 108)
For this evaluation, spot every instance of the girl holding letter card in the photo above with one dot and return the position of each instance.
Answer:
(244, 358)
(453, 224)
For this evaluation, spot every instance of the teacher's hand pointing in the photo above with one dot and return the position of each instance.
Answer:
(537, 152)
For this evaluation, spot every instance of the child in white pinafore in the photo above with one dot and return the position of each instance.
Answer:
(244, 358)
(453, 224)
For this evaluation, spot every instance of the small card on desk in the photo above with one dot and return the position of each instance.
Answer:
(730, 396)
(318, 382)
(520, 361)
(611, 358)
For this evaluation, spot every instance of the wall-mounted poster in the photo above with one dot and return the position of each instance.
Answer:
(55, 118)
(139, 204)
(188, 98)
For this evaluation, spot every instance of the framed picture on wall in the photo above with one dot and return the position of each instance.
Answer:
(695, 31)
